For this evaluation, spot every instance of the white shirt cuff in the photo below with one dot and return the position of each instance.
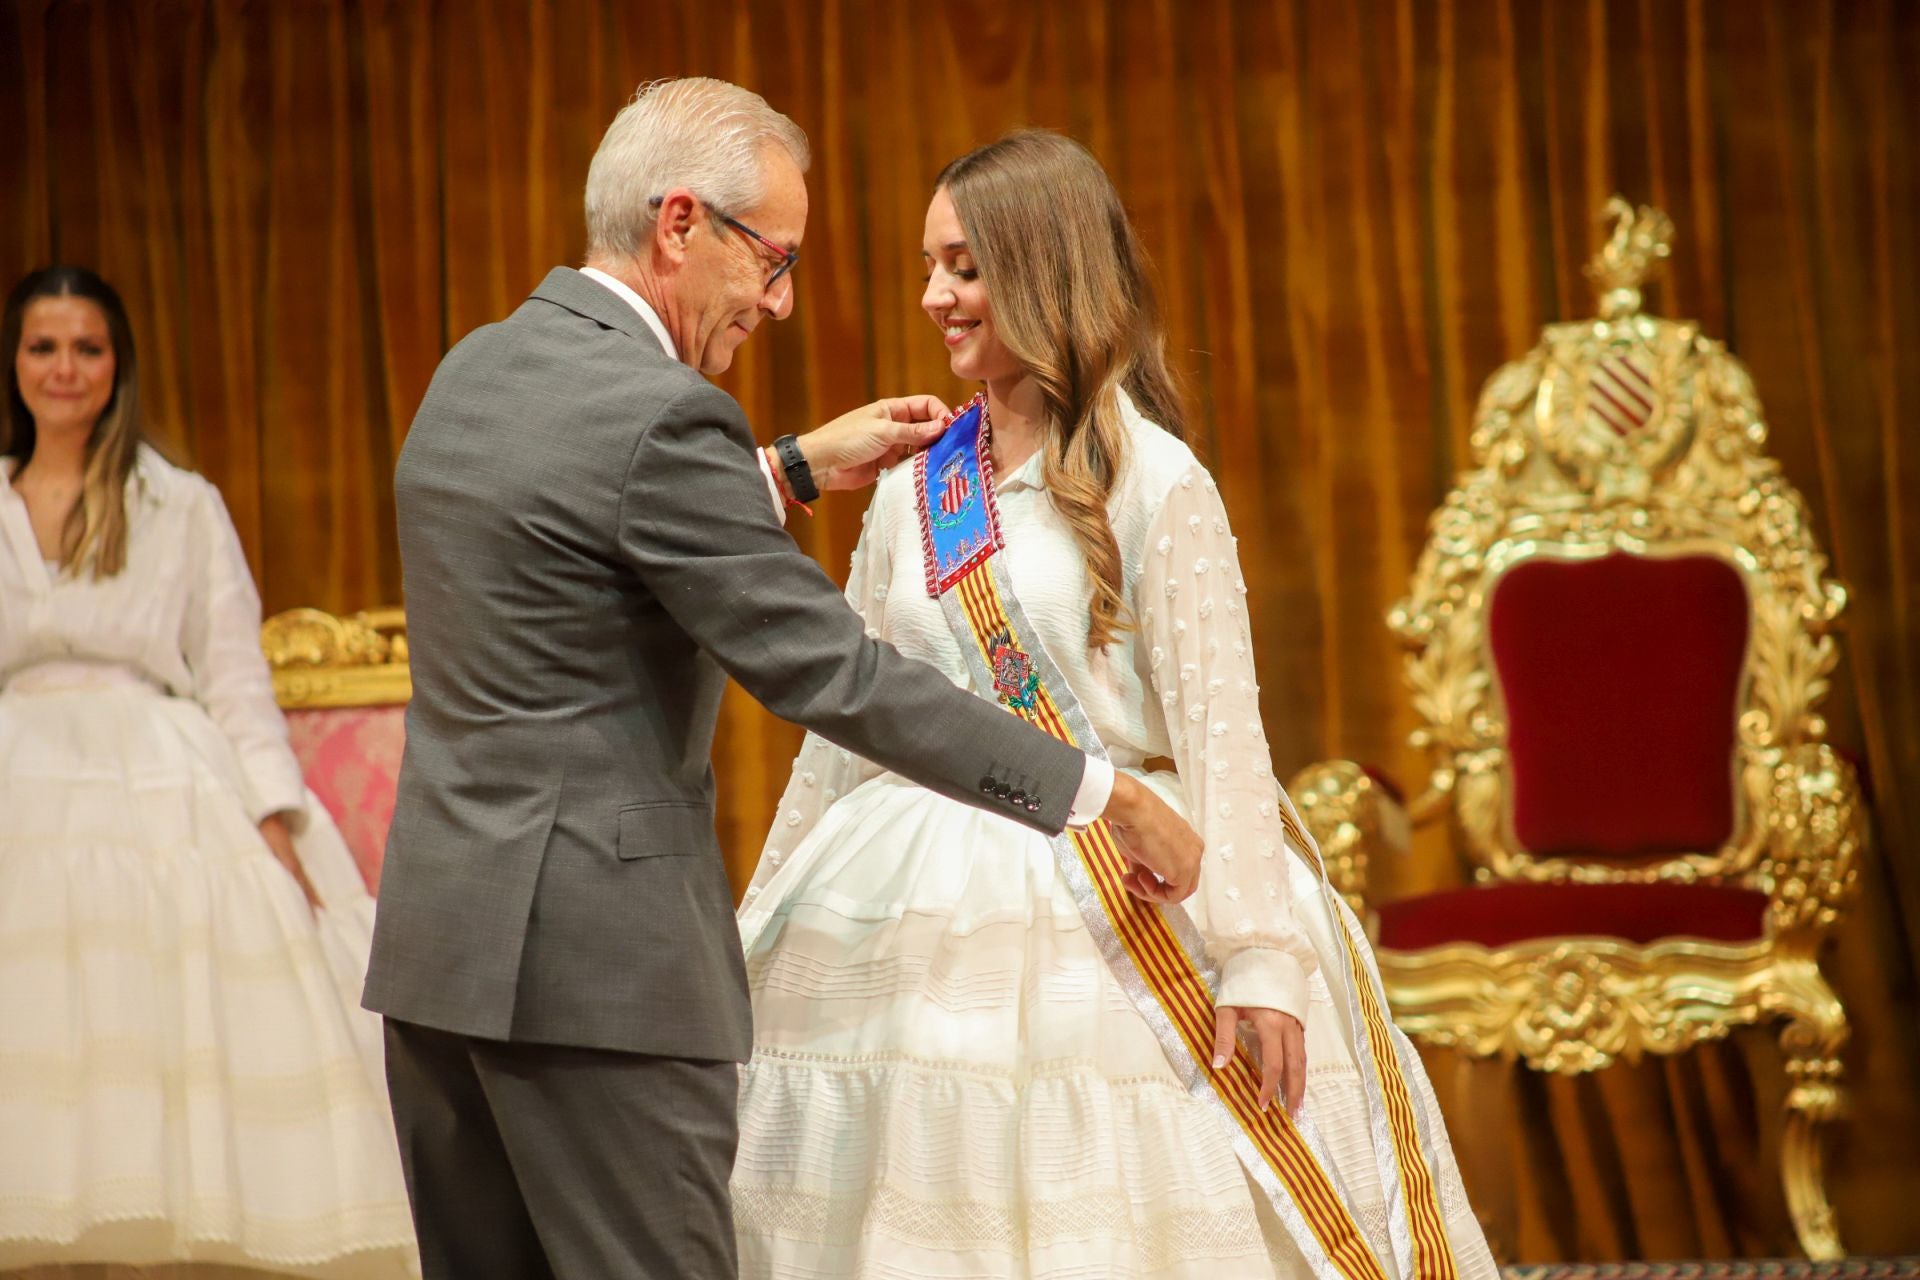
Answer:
(773, 488)
(1258, 978)
(1096, 788)
(274, 785)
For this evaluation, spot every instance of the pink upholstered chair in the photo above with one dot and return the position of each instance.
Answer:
(1619, 640)
(344, 685)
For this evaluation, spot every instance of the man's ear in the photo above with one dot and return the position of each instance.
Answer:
(674, 222)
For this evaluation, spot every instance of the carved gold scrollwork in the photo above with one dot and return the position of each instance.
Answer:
(1815, 833)
(320, 660)
(1349, 815)
(311, 638)
(1573, 1005)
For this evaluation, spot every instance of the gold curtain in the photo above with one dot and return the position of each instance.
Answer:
(1358, 211)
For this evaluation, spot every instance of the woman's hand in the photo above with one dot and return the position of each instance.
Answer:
(273, 829)
(1282, 1054)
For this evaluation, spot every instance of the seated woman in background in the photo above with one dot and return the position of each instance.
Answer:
(185, 1074)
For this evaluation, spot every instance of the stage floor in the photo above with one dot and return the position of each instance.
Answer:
(1730, 1269)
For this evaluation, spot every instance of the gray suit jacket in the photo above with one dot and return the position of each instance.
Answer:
(589, 550)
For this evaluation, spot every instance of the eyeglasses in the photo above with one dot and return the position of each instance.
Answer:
(788, 257)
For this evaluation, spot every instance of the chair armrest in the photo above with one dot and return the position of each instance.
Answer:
(1351, 815)
(1817, 831)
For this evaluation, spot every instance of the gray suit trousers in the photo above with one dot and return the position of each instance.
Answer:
(550, 1162)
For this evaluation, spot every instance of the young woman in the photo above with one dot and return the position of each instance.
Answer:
(967, 1061)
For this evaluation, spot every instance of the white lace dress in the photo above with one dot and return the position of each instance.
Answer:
(946, 1081)
(186, 1078)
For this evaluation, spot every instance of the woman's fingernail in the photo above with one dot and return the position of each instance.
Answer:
(1219, 1061)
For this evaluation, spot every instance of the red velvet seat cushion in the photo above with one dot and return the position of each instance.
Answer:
(1500, 915)
(1620, 678)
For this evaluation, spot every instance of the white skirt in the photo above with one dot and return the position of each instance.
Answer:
(947, 1081)
(185, 1072)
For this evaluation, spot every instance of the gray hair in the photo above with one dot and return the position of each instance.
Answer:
(699, 133)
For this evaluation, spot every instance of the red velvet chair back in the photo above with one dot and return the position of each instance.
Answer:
(1620, 679)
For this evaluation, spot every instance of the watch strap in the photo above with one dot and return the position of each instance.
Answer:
(794, 464)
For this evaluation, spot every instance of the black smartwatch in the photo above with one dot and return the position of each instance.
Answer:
(794, 464)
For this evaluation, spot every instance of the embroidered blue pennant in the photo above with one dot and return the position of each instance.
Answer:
(959, 525)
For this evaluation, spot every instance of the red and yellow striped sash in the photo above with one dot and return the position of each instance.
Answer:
(963, 575)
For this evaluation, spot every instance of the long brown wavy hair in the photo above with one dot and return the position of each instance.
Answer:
(1073, 300)
(95, 534)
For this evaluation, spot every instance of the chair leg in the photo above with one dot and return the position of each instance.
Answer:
(1816, 1028)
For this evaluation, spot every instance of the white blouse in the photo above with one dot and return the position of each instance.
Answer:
(183, 616)
(1180, 685)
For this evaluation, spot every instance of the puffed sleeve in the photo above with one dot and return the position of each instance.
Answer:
(1197, 645)
(221, 642)
(822, 772)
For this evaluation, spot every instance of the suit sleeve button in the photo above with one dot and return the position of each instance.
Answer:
(1018, 799)
(986, 785)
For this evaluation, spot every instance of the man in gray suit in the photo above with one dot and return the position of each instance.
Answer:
(592, 543)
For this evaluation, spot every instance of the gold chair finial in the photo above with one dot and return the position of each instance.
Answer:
(1640, 239)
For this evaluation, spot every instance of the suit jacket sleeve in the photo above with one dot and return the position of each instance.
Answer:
(822, 772)
(695, 525)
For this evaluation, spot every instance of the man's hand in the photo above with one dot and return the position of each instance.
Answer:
(851, 451)
(1164, 850)
(1283, 1051)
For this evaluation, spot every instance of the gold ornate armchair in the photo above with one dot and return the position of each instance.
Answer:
(344, 685)
(1619, 638)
